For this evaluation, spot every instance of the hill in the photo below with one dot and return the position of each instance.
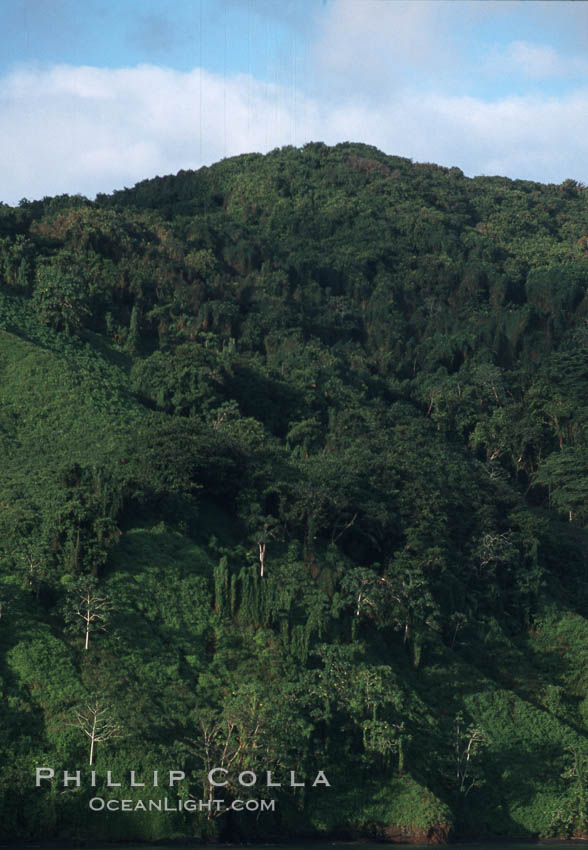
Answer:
(295, 467)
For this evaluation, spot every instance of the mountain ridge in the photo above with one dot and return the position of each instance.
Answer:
(295, 444)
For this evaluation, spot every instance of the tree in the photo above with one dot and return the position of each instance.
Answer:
(95, 719)
(363, 697)
(7, 593)
(34, 557)
(264, 528)
(224, 744)
(565, 474)
(469, 744)
(575, 819)
(89, 605)
(243, 735)
(59, 300)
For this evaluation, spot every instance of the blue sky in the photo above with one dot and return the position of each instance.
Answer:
(221, 35)
(97, 94)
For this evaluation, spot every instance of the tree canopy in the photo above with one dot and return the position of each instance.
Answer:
(310, 428)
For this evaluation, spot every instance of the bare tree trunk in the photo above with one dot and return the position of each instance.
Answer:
(96, 722)
(92, 740)
(261, 558)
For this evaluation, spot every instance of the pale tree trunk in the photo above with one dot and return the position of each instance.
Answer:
(95, 721)
(261, 558)
(92, 739)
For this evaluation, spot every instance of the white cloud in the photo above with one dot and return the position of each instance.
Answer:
(371, 46)
(88, 130)
(92, 129)
(531, 138)
(528, 137)
(536, 62)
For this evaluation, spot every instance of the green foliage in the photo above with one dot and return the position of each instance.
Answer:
(311, 429)
(59, 300)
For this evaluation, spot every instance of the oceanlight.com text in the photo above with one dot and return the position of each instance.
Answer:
(99, 804)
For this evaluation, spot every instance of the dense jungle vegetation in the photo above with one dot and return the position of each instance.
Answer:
(295, 477)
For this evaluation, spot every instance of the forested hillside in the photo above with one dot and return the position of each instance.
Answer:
(295, 478)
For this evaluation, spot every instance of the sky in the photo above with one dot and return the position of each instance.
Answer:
(99, 94)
